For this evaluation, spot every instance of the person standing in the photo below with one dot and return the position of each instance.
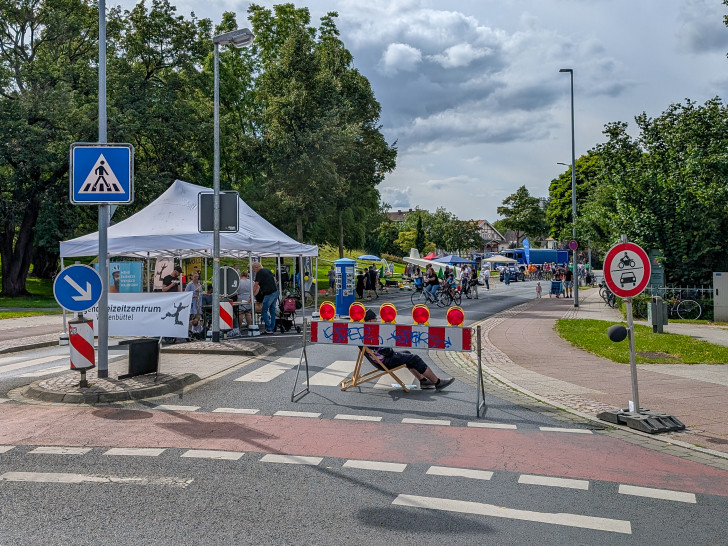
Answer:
(195, 287)
(373, 280)
(172, 282)
(332, 281)
(244, 299)
(568, 283)
(265, 284)
(538, 289)
(465, 280)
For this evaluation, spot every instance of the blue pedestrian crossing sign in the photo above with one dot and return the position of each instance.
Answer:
(101, 174)
(78, 288)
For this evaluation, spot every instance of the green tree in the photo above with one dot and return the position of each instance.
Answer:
(47, 92)
(523, 215)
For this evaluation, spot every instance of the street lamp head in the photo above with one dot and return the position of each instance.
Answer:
(566, 70)
(239, 38)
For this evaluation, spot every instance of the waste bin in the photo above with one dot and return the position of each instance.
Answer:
(657, 314)
(143, 356)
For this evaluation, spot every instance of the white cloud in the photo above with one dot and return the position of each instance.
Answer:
(459, 55)
(397, 198)
(400, 58)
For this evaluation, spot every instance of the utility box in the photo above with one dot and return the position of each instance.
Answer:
(720, 296)
(345, 285)
(657, 314)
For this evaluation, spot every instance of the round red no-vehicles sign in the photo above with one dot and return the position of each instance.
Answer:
(626, 269)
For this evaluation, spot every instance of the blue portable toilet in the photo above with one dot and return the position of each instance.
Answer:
(345, 285)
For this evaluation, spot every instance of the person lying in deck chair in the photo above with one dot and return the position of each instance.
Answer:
(417, 367)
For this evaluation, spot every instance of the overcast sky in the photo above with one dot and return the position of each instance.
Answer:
(473, 95)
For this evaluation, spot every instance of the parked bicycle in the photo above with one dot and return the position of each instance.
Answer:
(607, 295)
(685, 309)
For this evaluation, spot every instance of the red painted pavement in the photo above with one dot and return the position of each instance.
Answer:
(592, 457)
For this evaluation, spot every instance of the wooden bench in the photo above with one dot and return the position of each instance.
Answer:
(357, 378)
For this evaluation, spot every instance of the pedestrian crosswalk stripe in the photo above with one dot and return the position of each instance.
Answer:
(269, 371)
(357, 417)
(236, 410)
(375, 465)
(477, 508)
(5, 449)
(573, 430)
(664, 494)
(553, 482)
(3, 400)
(460, 472)
(333, 374)
(57, 450)
(405, 376)
(70, 478)
(142, 451)
(29, 363)
(439, 422)
(491, 425)
(291, 459)
(212, 454)
(284, 413)
(171, 407)
(47, 371)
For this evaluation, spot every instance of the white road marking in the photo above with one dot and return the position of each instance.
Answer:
(5, 449)
(284, 413)
(236, 410)
(291, 459)
(56, 477)
(3, 400)
(573, 430)
(58, 450)
(404, 375)
(412, 421)
(171, 407)
(267, 373)
(375, 465)
(491, 425)
(29, 363)
(460, 472)
(138, 451)
(357, 417)
(466, 507)
(211, 454)
(47, 371)
(664, 494)
(553, 482)
(288, 360)
(333, 374)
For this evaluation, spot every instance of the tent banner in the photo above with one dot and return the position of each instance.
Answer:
(150, 315)
(162, 268)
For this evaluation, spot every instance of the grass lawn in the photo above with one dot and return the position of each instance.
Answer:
(591, 335)
(41, 296)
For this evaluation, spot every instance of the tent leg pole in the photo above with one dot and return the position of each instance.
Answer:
(295, 396)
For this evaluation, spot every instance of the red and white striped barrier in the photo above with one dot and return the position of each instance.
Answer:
(371, 334)
(226, 315)
(81, 338)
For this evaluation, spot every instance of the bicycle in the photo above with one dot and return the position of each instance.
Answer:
(420, 295)
(685, 309)
(448, 296)
(607, 295)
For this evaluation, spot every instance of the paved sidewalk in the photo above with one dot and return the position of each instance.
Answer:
(521, 349)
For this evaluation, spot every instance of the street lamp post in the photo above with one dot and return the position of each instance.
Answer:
(239, 38)
(575, 270)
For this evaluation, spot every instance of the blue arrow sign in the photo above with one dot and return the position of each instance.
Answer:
(101, 173)
(77, 288)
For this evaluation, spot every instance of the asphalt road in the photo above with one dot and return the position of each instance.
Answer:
(234, 461)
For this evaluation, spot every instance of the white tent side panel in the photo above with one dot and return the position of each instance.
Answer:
(168, 227)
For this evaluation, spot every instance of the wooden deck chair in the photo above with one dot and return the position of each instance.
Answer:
(357, 378)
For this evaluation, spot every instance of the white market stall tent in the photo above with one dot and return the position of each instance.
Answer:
(167, 227)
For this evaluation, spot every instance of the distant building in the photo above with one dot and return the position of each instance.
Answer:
(398, 216)
(492, 238)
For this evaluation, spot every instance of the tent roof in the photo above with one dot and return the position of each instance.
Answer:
(168, 227)
(451, 259)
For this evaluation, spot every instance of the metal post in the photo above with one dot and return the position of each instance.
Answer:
(103, 219)
(216, 205)
(632, 358)
(575, 272)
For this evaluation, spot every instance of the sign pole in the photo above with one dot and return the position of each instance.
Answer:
(632, 356)
(103, 317)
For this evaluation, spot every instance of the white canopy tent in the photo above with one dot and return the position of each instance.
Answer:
(168, 227)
